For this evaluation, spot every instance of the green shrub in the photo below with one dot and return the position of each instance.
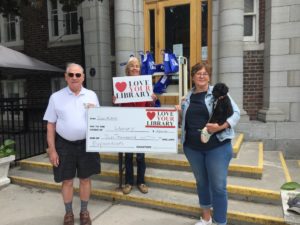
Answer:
(290, 186)
(7, 148)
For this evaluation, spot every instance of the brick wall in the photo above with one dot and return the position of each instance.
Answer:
(261, 21)
(36, 38)
(253, 82)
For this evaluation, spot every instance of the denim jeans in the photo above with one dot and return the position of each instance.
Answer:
(141, 168)
(210, 169)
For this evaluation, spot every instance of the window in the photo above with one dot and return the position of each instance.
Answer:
(250, 20)
(62, 25)
(13, 88)
(11, 31)
(57, 83)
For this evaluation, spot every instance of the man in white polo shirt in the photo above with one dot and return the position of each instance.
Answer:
(66, 130)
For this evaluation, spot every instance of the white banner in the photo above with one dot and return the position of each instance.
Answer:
(132, 129)
(133, 88)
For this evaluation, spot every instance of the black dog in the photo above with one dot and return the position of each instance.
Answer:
(222, 104)
(222, 109)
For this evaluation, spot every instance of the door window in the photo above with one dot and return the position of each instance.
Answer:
(183, 26)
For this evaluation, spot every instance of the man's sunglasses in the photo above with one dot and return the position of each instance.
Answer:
(74, 74)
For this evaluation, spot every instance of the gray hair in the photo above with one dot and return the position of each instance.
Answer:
(131, 60)
(74, 64)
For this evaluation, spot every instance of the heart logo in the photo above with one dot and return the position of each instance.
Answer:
(121, 86)
(151, 115)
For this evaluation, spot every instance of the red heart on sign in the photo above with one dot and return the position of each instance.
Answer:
(151, 115)
(121, 86)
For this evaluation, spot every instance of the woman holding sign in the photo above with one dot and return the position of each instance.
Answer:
(209, 157)
(133, 67)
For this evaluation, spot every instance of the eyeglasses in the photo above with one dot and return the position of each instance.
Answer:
(202, 74)
(74, 74)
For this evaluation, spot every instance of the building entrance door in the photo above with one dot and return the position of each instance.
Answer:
(181, 26)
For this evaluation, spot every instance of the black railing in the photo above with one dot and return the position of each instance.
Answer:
(21, 119)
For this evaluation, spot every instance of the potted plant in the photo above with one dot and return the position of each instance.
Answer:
(290, 198)
(7, 155)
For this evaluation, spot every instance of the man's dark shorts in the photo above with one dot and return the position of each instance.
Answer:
(73, 159)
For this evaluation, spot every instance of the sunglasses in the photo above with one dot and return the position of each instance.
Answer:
(74, 74)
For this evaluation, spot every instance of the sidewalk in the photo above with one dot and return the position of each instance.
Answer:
(32, 206)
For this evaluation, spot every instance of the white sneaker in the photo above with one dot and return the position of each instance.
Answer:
(204, 222)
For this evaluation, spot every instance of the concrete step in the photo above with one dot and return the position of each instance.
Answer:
(237, 142)
(239, 212)
(265, 190)
(249, 162)
(294, 169)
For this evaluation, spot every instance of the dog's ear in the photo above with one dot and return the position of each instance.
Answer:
(224, 89)
(216, 91)
(220, 89)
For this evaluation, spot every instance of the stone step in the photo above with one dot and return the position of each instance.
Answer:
(249, 162)
(265, 190)
(239, 212)
(237, 143)
(294, 169)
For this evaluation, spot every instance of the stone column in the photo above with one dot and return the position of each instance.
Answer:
(230, 54)
(139, 26)
(282, 57)
(215, 40)
(97, 48)
(129, 33)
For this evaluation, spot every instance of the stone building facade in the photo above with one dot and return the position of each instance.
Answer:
(263, 74)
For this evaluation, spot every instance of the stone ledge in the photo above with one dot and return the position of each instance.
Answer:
(283, 136)
(289, 217)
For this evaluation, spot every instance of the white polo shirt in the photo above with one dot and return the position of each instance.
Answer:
(69, 113)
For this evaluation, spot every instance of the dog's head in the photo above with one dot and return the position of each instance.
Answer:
(220, 89)
(222, 104)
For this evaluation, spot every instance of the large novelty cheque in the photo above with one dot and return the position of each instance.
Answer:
(132, 129)
(133, 89)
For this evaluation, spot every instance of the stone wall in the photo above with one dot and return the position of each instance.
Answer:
(281, 64)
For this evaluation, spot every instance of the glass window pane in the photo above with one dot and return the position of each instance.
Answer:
(248, 25)
(66, 23)
(70, 23)
(10, 89)
(55, 25)
(54, 5)
(4, 31)
(10, 25)
(152, 32)
(21, 28)
(177, 28)
(249, 6)
(13, 32)
(204, 32)
(54, 16)
(74, 23)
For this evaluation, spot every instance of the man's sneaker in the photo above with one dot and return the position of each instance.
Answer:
(69, 219)
(85, 218)
(205, 136)
(143, 188)
(127, 189)
(204, 222)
